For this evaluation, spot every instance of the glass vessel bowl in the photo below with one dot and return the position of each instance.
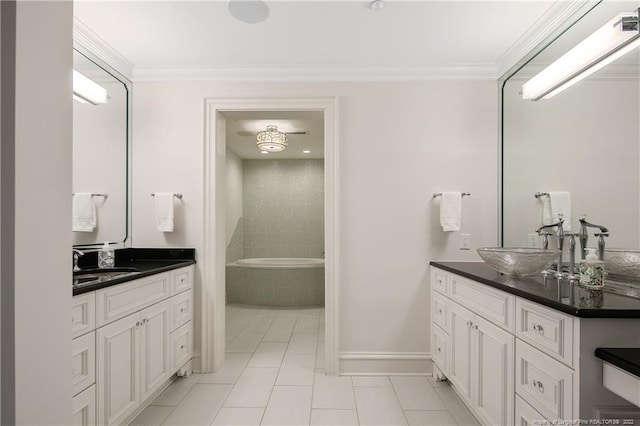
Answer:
(517, 262)
(623, 263)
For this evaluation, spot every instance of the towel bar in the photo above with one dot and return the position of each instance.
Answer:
(95, 195)
(175, 194)
(439, 194)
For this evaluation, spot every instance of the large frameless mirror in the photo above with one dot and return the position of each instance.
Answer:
(101, 135)
(584, 141)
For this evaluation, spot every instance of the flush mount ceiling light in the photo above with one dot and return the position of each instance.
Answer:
(249, 11)
(88, 91)
(271, 140)
(376, 5)
(616, 38)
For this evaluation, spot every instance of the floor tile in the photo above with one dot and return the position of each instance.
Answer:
(233, 366)
(176, 391)
(153, 415)
(415, 393)
(288, 405)
(303, 343)
(311, 312)
(200, 406)
(378, 406)
(371, 381)
(430, 418)
(297, 369)
(252, 388)
(332, 392)
(246, 342)
(334, 417)
(268, 355)
(307, 325)
(279, 332)
(258, 325)
(232, 330)
(239, 416)
(320, 352)
(456, 407)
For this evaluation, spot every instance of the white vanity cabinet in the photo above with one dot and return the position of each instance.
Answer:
(133, 345)
(514, 361)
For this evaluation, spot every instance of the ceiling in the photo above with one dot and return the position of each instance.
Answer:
(241, 127)
(403, 37)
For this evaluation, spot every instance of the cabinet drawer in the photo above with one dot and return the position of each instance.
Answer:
(439, 344)
(181, 345)
(546, 329)
(490, 303)
(439, 280)
(544, 382)
(84, 407)
(121, 300)
(83, 314)
(181, 309)
(181, 280)
(83, 362)
(526, 415)
(440, 311)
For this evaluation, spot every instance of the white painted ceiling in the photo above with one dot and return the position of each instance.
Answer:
(405, 35)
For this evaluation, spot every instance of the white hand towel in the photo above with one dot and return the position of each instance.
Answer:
(561, 204)
(164, 211)
(451, 211)
(83, 212)
(547, 217)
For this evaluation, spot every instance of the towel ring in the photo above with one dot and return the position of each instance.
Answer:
(175, 194)
(541, 194)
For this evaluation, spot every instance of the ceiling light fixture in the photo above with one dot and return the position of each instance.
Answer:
(616, 38)
(271, 140)
(249, 11)
(306, 151)
(88, 91)
(376, 5)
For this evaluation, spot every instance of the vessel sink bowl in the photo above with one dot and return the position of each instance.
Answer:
(517, 262)
(624, 263)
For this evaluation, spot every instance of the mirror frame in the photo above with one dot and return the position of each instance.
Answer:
(88, 49)
(585, 9)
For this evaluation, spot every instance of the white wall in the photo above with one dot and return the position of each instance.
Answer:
(43, 212)
(234, 193)
(398, 144)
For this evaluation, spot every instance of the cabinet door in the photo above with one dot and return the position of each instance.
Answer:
(460, 365)
(494, 373)
(84, 407)
(117, 367)
(154, 348)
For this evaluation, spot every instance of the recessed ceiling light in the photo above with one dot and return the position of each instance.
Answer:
(306, 151)
(249, 11)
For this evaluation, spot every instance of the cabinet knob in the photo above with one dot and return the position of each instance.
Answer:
(138, 324)
(440, 311)
(475, 327)
(439, 350)
(538, 328)
(181, 309)
(181, 280)
(182, 347)
(538, 385)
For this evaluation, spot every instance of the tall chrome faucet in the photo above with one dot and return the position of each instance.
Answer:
(76, 256)
(584, 237)
(559, 241)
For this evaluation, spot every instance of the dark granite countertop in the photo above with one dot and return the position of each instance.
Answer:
(628, 359)
(563, 296)
(146, 262)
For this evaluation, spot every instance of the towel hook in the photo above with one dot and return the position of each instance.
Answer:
(439, 194)
(175, 194)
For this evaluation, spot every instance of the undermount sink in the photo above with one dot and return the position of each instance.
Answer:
(90, 276)
(517, 261)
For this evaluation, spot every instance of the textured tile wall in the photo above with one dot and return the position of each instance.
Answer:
(235, 247)
(283, 203)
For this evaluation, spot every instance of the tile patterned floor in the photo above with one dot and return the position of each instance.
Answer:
(274, 375)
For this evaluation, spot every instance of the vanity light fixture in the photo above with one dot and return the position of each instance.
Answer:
(88, 91)
(613, 40)
(271, 140)
(306, 151)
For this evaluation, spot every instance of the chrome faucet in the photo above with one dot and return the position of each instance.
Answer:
(76, 256)
(559, 241)
(584, 237)
(572, 255)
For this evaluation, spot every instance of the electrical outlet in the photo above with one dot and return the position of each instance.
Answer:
(465, 241)
(532, 240)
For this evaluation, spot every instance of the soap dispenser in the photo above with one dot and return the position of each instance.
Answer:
(106, 257)
(592, 270)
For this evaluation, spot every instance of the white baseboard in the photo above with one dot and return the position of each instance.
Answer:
(197, 362)
(385, 363)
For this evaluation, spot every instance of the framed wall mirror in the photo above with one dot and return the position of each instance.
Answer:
(101, 145)
(584, 140)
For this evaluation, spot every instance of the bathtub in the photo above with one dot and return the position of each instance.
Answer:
(276, 282)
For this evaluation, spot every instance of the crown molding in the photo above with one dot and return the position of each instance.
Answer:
(612, 72)
(555, 18)
(86, 39)
(315, 73)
